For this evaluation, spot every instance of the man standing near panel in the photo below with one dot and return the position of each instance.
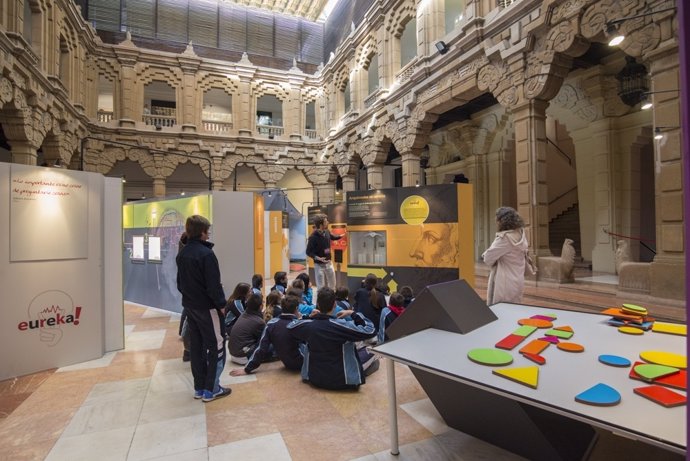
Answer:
(319, 249)
(198, 279)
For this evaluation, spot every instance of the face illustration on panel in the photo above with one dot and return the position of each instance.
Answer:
(436, 246)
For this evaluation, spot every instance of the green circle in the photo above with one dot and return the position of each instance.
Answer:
(635, 308)
(491, 357)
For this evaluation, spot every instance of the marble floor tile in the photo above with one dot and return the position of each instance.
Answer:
(170, 405)
(10, 402)
(118, 391)
(172, 383)
(268, 447)
(471, 448)
(171, 366)
(102, 446)
(97, 363)
(152, 312)
(227, 380)
(143, 340)
(24, 384)
(195, 455)
(164, 438)
(324, 440)
(31, 451)
(129, 329)
(104, 417)
(24, 429)
(243, 422)
(426, 414)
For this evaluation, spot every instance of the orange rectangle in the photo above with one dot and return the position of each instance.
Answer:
(535, 347)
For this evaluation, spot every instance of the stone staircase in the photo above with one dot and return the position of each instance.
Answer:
(565, 225)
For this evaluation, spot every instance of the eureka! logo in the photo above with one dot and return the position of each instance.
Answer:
(48, 312)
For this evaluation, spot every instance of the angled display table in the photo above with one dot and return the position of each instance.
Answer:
(546, 422)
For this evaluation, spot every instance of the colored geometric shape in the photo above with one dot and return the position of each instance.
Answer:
(631, 330)
(635, 309)
(529, 376)
(535, 347)
(676, 380)
(538, 359)
(571, 347)
(652, 371)
(549, 317)
(539, 323)
(670, 328)
(661, 395)
(564, 328)
(559, 333)
(509, 342)
(599, 395)
(550, 339)
(525, 330)
(619, 314)
(491, 357)
(665, 358)
(614, 360)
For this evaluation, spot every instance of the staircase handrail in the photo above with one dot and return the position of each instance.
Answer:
(639, 239)
(567, 157)
(563, 195)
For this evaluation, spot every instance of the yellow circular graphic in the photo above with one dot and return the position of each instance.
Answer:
(414, 209)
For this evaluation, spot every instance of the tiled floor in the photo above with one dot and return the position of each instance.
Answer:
(136, 404)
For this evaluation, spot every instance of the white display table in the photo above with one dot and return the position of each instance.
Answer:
(439, 360)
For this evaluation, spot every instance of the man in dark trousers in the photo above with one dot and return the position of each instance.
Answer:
(319, 249)
(198, 279)
(277, 336)
(331, 360)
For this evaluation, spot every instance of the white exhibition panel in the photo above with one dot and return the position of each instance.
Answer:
(232, 232)
(52, 309)
(564, 375)
(114, 318)
(48, 201)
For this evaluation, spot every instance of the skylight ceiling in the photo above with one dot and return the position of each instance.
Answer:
(312, 10)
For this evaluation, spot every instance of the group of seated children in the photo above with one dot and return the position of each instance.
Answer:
(325, 341)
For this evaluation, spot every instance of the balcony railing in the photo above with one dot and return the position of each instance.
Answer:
(159, 120)
(270, 130)
(104, 116)
(212, 125)
(311, 134)
(371, 99)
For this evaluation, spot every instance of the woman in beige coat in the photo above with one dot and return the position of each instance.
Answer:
(506, 257)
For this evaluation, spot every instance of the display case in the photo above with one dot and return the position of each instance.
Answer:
(368, 248)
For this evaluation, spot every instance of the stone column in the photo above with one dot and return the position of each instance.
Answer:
(375, 176)
(324, 194)
(159, 187)
(23, 152)
(410, 169)
(667, 271)
(244, 112)
(530, 153)
(348, 183)
(129, 107)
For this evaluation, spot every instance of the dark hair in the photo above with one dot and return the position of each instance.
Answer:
(370, 285)
(183, 241)
(305, 278)
(342, 293)
(319, 220)
(406, 291)
(278, 276)
(292, 291)
(508, 219)
(396, 299)
(325, 300)
(299, 284)
(273, 298)
(290, 304)
(196, 225)
(254, 303)
(257, 281)
(240, 292)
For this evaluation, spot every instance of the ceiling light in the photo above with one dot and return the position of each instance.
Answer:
(616, 37)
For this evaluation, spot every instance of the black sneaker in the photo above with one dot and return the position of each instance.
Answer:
(211, 396)
(372, 368)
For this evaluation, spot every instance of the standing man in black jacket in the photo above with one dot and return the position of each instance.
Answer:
(319, 249)
(198, 279)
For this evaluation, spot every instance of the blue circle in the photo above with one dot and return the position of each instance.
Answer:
(614, 360)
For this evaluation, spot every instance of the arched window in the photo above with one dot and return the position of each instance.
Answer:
(347, 103)
(454, 12)
(408, 42)
(373, 74)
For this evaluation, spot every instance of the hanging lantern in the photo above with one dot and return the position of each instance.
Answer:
(633, 83)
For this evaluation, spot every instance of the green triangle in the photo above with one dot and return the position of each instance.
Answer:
(529, 376)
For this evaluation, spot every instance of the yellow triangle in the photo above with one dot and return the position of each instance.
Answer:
(529, 376)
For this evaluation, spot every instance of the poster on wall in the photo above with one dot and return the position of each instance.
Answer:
(154, 249)
(48, 214)
(138, 247)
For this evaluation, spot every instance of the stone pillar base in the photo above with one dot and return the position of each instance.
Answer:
(127, 123)
(667, 280)
(187, 128)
